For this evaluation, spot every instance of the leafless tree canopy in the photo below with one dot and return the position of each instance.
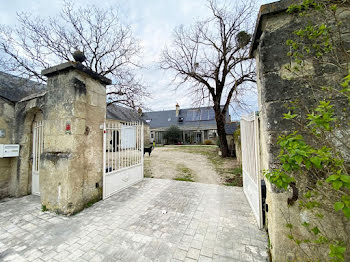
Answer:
(213, 57)
(108, 44)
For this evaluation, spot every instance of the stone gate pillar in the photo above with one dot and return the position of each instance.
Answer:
(71, 162)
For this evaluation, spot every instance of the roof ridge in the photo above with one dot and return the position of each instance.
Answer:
(20, 78)
(202, 107)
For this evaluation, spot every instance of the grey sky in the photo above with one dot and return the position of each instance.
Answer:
(153, 22)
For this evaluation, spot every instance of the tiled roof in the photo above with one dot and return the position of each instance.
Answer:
(191, 117)
(15, 88)
(122, 113)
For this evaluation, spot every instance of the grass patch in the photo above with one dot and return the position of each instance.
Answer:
(147, 168)
(187, 179)
(92, 202)
(183, 173)
(43, 208)
(235, 179)
(225, 167)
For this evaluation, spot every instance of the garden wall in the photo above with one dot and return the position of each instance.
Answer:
(6, 126)
(276, 88)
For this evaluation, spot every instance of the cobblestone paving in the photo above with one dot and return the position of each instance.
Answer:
(203, 223)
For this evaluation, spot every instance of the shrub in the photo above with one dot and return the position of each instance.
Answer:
(208, 142)
(172, 135)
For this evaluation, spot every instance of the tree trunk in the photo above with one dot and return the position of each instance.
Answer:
(220, 123)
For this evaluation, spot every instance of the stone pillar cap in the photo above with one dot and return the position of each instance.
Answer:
(78, 66)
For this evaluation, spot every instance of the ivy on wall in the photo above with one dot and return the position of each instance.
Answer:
(314, 157)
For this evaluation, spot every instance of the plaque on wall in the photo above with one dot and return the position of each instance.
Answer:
(2, 133)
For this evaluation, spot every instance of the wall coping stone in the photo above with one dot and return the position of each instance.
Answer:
(33, 96)
(268, 9)
(78, 66)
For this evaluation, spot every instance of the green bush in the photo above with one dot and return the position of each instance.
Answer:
(208, 142)
(172, 134)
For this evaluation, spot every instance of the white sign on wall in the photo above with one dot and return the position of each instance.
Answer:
(2, 133)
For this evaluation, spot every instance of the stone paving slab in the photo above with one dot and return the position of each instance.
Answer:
(202, 223)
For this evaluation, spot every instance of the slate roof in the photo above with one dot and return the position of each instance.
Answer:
(231, 127)
(122, 113)
(167, 118)
(15, 88)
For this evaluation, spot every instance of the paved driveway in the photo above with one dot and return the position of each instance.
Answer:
(202, 222)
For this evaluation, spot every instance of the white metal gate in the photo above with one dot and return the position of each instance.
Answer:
(38, 144)
(250, 164)
(122, 156)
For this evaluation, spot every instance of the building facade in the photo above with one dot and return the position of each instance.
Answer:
(196, 124)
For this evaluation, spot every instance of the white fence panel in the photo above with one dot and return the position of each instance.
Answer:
(250, 164)
(122, 156)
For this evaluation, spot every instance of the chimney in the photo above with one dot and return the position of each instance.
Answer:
(139, 111)
(177, 109)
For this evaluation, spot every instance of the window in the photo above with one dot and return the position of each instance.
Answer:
(193, 115)
(152, 135)
(212, 133)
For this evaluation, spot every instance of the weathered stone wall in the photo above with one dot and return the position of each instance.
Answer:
(21, 170)
(71, 165)
(6, 124)
(238, 150)
(276, 87)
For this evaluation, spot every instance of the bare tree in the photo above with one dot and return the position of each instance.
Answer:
(212, 57)
(108, 44)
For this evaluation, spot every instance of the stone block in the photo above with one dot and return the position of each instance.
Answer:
(275, 88)
(274, 116)
(193, 253)
(79, 109)
(272, 58)
(64, 142)
(93, 99)
(78, 126)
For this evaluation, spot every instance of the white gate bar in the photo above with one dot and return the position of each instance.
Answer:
(104, 159)
(142, 145)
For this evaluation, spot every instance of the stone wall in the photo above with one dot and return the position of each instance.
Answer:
(73, 108)
(71, 164)
(6, 124)
(276, 88)
(25, 113)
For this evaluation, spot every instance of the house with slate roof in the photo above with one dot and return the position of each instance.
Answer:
(122, 114)
(125, 115)
(196, 124)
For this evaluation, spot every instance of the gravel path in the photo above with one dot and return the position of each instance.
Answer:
(165, 162)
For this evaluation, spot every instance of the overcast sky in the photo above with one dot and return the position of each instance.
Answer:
(153, 22)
